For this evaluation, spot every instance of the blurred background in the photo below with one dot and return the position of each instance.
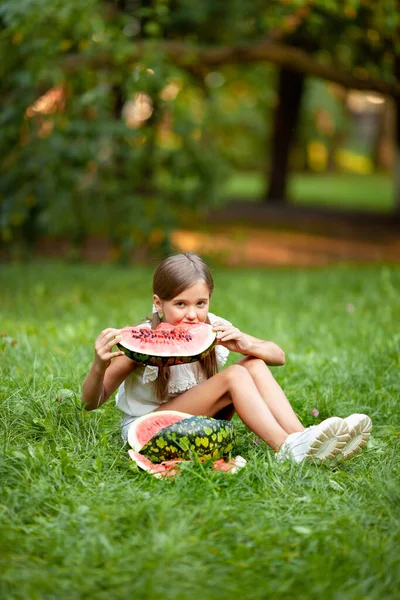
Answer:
(265, 133)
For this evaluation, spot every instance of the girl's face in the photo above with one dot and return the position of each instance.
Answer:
(190, 306)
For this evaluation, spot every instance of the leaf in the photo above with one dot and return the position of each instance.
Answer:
(336, 486)
(65, 394)
(98, 464)
(302, 529)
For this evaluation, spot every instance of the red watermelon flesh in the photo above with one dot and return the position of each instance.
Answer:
(167, 345)
(170, 468)
(148, 425)
(232, 465)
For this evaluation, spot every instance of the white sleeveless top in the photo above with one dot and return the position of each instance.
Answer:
(135, 396)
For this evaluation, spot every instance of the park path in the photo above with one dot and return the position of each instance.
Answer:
(242, 246)
(243, 233)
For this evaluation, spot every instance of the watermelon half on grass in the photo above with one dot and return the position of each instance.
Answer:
(162, 439)
(167, 345)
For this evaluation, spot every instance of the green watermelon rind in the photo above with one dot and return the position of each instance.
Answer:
(202, 436)
(165, 361)
(156, 360)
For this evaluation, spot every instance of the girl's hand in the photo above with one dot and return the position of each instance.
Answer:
(232, 338)
(103, 348)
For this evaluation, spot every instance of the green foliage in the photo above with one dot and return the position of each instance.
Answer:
(74, 167)
(80, 521)
(74, 73)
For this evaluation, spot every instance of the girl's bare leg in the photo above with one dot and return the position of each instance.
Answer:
(272, 394)
(232, 385)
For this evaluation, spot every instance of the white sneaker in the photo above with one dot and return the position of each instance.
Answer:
(321, 441)
(360, 427)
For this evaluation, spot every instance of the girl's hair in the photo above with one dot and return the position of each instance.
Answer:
(172, 277)
(178, 272)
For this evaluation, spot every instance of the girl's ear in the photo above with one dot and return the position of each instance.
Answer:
(157, 303)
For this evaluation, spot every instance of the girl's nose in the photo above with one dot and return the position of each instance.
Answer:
(191, 314)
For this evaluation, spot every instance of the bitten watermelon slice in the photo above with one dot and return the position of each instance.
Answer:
(167, 345)
(170, 435)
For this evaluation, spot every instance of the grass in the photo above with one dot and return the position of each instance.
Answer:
(80, 521)
(342, 191)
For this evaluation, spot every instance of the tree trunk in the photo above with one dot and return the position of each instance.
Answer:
(291, 85)
(396, 199)
(396, 207)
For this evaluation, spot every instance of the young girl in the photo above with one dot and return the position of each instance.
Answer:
(182, 289)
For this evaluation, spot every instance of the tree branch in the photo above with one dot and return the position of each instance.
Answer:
(186, 55)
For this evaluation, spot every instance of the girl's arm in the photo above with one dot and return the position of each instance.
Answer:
(108, 371)
(237, 341)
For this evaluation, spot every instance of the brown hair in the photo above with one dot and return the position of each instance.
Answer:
(173, 276)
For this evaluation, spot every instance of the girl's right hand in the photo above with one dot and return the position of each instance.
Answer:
(103, 346)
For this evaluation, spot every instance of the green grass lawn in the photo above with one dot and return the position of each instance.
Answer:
(78, 520)
(341, 191)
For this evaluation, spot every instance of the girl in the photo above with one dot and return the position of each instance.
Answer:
(182, 288)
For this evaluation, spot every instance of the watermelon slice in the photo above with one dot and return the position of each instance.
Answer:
(167, 468)
(170, 468)
(168, 345)
(232, 465)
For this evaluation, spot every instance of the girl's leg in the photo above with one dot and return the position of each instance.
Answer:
(232, 385)
(272, 394)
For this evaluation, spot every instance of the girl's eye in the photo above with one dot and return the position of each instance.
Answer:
(201, 303)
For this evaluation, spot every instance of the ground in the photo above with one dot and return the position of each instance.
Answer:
(250, 234)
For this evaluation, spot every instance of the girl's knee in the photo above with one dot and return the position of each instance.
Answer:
(234, 373)
(255, 366)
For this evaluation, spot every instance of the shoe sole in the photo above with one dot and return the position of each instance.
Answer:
(359, 434)
(333, 437)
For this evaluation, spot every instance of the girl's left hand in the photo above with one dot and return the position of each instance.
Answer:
(232, 338)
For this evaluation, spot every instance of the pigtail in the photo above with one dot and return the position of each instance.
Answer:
(161, 383)
(209, 363)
